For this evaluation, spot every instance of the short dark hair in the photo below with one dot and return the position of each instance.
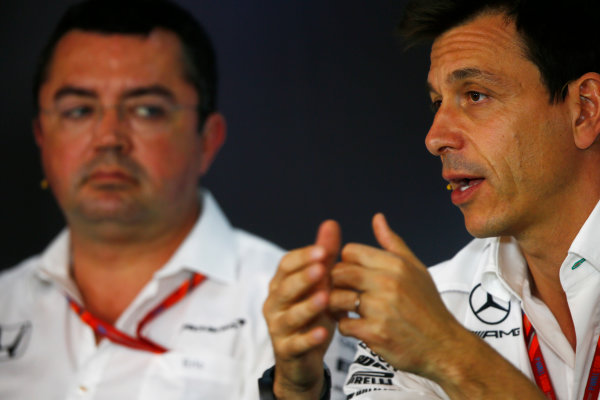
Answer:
(560, 38)
(140, 17)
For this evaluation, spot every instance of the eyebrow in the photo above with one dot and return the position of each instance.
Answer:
(470, 73)
(73, 91)
(135, 92)
(156, 90)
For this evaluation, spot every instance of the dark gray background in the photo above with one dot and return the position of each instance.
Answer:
(327, 118)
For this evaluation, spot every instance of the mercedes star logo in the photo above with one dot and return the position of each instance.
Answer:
(485, 308)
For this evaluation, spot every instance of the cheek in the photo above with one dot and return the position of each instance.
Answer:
(535, 163)
(497, 146)
(61, 159)
(170, 161)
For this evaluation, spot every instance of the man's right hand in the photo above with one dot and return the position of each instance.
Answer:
(296, 312)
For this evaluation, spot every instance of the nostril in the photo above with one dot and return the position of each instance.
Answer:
(443, 151)
(441, 139)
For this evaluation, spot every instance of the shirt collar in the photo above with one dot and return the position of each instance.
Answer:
(586, 244)
(208, 249)
(54, 263)
(506, 269)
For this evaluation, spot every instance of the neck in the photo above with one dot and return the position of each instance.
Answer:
(545, 249)
(111, 272)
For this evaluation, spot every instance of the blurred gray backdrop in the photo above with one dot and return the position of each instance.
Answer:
(327, 117)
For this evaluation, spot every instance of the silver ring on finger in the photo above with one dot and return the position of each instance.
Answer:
(357, 303)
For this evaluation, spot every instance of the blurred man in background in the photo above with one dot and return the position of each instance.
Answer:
(149, 292)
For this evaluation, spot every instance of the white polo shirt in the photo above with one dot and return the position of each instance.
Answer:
(218, 340)
(496, 267)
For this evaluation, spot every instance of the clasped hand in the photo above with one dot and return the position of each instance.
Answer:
(401, 315)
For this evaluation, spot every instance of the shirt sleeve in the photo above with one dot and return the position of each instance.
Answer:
(265, 385)
(370, 377)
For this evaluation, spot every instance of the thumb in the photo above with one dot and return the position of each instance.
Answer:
(329, 236)
(387, 238)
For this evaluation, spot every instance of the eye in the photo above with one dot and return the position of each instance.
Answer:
(476, 97)
(77, 112)
(435, 105)
(148, 111)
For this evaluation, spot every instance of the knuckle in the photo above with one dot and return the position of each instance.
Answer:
(290, 288)
(348, 249)
(344, 327)
(289, 319)
(269, 312)
(280, 347)
(291, 346)
(273, 285)
(292, 260)
(339, 271)
(336, 297)
(398, 264)
(365, 302)
(369, 338)
(376, 337)
(387, 283)
(400, 268)
(356, 278)
(287, 262)
(266, 310)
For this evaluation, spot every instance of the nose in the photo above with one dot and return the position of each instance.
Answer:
(110, 132)
(446, 133)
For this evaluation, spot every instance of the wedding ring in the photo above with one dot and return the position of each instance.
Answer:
(357, 303)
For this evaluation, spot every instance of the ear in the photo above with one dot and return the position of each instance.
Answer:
(213, 137)
(584, 96)
(38, 133)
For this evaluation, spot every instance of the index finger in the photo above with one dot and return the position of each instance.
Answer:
(370, 257)
(325, 250)
(329, 235)
(297, 259)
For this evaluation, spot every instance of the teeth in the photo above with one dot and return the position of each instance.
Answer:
(463, 188)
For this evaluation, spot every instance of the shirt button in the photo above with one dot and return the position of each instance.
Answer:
(82, 389)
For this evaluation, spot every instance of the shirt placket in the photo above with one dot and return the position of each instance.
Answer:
(581, 281)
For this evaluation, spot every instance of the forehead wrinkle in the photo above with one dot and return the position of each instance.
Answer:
(474, 43)
(463, 74)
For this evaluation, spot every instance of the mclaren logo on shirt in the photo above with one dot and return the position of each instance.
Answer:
(14, 339)
(234, 325)
(486, 308)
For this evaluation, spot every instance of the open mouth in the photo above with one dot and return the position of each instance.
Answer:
(464, 184)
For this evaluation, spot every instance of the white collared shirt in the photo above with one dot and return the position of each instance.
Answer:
(216, 336)
(496, 266)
